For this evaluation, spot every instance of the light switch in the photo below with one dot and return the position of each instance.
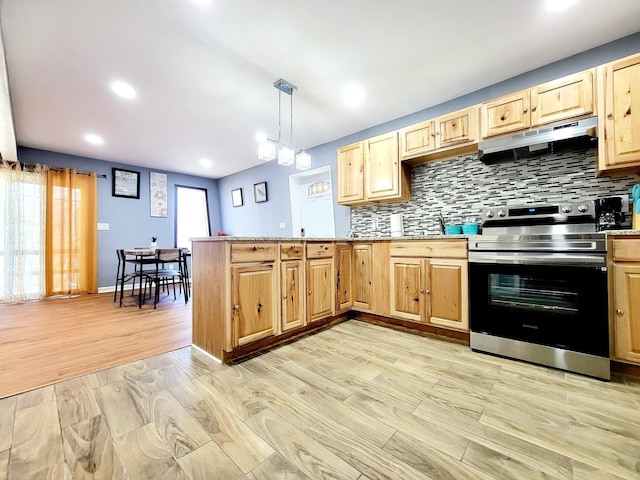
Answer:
(283, 225)
(103, 226)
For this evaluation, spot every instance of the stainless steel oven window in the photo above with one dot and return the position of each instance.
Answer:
(530, 293)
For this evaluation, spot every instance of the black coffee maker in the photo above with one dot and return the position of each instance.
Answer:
(609, 214)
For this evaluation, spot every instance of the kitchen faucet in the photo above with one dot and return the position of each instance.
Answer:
(440, 219)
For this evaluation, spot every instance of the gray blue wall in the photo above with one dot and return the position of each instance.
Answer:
(264, 218)
(130, 222)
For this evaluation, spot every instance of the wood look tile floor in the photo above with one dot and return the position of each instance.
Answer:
(355, 402)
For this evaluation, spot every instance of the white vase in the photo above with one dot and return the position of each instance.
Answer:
(153, 245)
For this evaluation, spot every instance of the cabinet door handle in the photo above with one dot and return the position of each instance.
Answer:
(619, 312)
(284, 296)
(534, 108)
(236, 308)
(525, 110)
(427, 291)
(610, 116)
(422, 290)
(309, 292)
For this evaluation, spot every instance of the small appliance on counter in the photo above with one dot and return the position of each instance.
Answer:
(397, 225)
(610, 213)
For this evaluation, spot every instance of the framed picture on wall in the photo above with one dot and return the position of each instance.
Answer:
(260, 192)
(158, 194)
(125, 183)
(236, 197)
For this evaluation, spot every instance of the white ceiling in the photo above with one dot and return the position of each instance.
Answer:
(204, 70)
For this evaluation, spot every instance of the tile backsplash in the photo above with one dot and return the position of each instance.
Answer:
(461, 187)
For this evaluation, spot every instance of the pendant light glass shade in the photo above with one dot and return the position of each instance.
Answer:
(303, 161)
(267, 151)
(286, 156)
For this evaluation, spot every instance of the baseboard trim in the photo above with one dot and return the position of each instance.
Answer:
(260, 346)
(623, 368)
(413, 327)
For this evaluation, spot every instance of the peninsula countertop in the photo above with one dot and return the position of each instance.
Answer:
(334, 239)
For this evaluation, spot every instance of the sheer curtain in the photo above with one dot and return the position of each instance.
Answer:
(72, 240)
(22, 232)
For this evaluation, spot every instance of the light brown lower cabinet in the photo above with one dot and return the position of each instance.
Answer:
(431, 291)
(626, 299)
(292, 292)
(254, 302)
(362, 270)
(344, 276)
(448, 305)
(321, 297)
(247, 292)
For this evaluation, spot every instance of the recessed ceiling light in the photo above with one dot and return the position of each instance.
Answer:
(206, 163)
(94, 139)
(559, 5)
(123, 89)
(353, 95)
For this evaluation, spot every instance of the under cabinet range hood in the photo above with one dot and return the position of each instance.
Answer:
(574, 135)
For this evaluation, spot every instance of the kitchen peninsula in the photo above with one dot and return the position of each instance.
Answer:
(252, 293)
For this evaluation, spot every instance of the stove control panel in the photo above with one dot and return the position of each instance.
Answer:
(554, 212)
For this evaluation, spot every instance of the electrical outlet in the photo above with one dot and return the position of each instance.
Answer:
(283, 225)
(103, 226)
(374, 223)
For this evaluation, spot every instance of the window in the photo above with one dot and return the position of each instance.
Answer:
(192, 215)
(22, 234)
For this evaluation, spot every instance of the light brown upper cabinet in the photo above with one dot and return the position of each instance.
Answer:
(619, 114)
(383, 169)
(564, 98)
(350, 163)
(567, 97)
(505, 114)
(442, 133)
(370, 171)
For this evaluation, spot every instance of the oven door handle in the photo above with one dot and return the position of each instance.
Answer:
(533, 258)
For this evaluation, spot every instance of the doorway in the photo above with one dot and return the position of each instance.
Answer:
(312, 203)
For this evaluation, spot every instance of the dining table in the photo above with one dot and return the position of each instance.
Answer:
(147, 256)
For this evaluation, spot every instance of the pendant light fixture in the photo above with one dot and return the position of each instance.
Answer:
(286, 153)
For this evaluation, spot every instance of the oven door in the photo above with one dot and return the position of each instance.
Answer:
(561, 306)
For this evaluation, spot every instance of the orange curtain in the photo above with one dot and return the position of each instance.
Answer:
(72, 241)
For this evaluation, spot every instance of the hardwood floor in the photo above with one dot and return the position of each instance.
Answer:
(51, 340)
(357, 401)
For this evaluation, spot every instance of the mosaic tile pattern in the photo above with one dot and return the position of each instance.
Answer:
(461, 187)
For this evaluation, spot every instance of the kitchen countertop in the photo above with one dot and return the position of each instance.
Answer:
(312, 239)
(436, 236)
(622, 233)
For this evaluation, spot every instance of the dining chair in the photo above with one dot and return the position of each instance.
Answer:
(123, 277)
(184, 267)
(160, 276)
